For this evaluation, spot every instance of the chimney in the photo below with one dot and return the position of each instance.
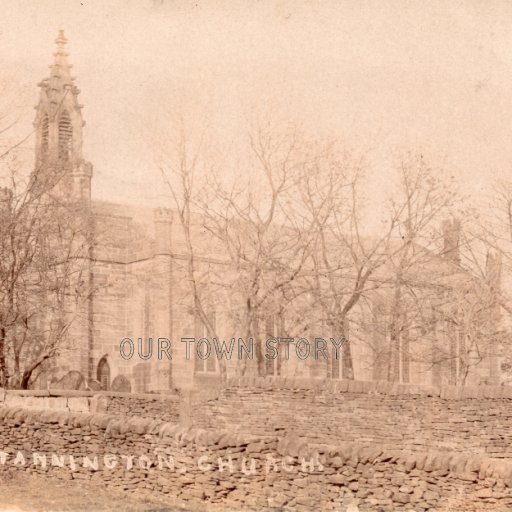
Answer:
(451, 235)
(163, 224)
(493, 271)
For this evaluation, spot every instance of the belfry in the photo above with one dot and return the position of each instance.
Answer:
(58, 125)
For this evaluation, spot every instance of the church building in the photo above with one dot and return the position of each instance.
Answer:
(137, 272)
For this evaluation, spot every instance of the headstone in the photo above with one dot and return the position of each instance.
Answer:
(99, 404)
(121, 384)
(73, 380)
(93, 385)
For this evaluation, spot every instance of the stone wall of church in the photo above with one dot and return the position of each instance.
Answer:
(132, 282)
(142, 290)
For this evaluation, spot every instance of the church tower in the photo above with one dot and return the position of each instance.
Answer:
(61, 173)
(58, 126)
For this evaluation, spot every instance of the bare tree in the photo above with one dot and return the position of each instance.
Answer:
(442, 311)
(423, 201)
(488, 246)
(179, 173)
(344, 266)
(293, 235)
(44, 271)
(267, 238)
(251, 221)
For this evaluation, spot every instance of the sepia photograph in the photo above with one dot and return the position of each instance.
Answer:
(256, 255)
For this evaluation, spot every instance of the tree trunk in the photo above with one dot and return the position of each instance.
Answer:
(25, 380)
(4, 373)
(394, 355)
(347, 362)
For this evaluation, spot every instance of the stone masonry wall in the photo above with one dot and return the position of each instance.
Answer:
(164, 407)
(191, 467)
(463, 420)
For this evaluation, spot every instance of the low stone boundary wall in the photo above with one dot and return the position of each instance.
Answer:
(192, 467)
(407, 417)
(164, 406)
(372, 387)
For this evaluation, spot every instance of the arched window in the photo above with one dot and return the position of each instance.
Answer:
(274, 328)
(65, 136)
(141, 377)
(103, 374)
(204, 365)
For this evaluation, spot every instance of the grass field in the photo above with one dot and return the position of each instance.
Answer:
(27, 493)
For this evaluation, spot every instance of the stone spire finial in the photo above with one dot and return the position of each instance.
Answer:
(61, 67)
(61, 41)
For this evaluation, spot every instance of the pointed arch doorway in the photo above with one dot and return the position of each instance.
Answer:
(103, 374)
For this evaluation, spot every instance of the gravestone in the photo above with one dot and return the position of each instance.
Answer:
(99, 404)
(121, 384)
(93, 385)
(73, 380)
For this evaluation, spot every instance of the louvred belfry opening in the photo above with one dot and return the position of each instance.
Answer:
(59, 130)
(59, 120)
(44, 136)
(65, 136)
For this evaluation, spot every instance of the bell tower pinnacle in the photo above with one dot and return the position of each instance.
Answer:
(59, 125)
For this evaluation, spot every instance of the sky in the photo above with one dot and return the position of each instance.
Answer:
(385, 77)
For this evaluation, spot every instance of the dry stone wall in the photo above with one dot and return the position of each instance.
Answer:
(165, 407)
(463, 420)
(231, 471)
(315, 445)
